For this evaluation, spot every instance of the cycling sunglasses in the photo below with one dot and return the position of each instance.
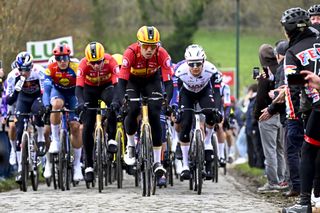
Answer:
(62, 58)
(96, 62)
(194, 64)
(146, 46)
(25, 69)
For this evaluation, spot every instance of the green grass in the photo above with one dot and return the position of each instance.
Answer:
(8, 184)
(253, 173)
(220, 47)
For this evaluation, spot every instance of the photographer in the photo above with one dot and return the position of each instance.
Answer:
(269, 125)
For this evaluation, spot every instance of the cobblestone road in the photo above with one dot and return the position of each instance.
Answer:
(226, 196)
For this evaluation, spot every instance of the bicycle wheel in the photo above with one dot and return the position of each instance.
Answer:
(99, 142)
(24, 161)
(199, 162)
(55, 170)
(119, 172)
(215, 163)
(62, 161)
(69, 174)
(34, 173)
(169, 159)
(149, 162)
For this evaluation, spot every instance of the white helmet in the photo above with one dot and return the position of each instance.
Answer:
(195, 52)
(51, 60)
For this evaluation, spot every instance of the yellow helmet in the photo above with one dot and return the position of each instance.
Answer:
(118, 57)
(148, 34)
(94, 52)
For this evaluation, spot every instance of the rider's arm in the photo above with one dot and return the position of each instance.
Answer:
(167, 70)
(216, 92)
(80, 81)
(11, 93)
(47, 84)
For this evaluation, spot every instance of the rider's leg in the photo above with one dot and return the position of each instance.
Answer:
(131, 123)
(13, 140)
(55, 119)
(107, 96)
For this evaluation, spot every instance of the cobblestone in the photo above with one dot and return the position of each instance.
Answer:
(225, 196)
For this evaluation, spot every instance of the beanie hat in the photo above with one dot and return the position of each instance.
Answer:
(267, 57)
(281, 47)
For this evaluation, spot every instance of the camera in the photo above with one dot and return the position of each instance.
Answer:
(255, 72)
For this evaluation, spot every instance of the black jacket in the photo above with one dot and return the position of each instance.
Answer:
(303, 54)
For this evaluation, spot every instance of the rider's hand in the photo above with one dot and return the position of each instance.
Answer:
(18, 86)
(80, 108)
(115, 106)
(217, 116)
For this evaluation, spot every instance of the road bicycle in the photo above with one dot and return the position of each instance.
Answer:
(196, 151)
(168, 155)
(29, 159)
(145, 148)
(64, 163)
(100, 149)
(119, 155)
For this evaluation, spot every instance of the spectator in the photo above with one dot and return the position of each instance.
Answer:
(269, 125)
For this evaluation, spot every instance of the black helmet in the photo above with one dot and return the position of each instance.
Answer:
(295, 18)
(314, 10)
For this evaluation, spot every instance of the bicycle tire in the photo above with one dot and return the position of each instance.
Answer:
(199, 162)
(62, 161)
(143, 165)
(24, 161)
(99, 143)
(149, 162)
(119, 172)
(34, 173)
(69, 174)
(54, 171)
(170, 159)
(215, 163)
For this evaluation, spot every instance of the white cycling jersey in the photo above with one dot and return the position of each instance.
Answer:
(225, 93)
(192, 83)
(31, 85)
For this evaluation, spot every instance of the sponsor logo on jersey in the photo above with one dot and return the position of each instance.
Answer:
(311, 54)
(64, 81)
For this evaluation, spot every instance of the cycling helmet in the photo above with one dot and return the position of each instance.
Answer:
(24, 61)
(118, 57)
(295, 18)
(148, 34)
(94, 52)
(13, 65)
(195, 52)
(51, 59)
(61, 49)
(314, 10)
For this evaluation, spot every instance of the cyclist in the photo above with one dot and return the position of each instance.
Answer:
(96, 77)
(10, 110)
(140, 75)
(24, 88)
(224, 126)
(196, 78)
(314, 12)
(59, 92)
(302, 54)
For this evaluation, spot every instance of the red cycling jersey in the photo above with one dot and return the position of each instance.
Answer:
(87, 75)
(135, 64)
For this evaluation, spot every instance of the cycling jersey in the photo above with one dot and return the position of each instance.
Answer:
(303, 55)
(135, 64)
(196, 84)
(61, 79)
(107, 74)
(33, 85)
